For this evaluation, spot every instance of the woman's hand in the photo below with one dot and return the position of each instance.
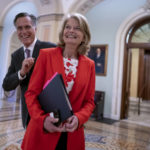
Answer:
(50, 127)
(71, 124)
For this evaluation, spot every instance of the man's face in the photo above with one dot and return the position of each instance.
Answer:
(25, 30)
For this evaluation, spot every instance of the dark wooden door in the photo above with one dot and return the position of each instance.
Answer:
(144, 75)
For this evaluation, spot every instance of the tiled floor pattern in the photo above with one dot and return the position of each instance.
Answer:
(119, 136)
(99, 136)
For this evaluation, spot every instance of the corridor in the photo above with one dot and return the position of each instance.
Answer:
(120, 135)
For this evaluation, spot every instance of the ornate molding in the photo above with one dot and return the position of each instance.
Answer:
(146, 6)
(45, 2)
(50, 17)
(87, 5)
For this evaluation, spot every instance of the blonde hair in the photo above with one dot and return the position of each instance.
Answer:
(85, 45)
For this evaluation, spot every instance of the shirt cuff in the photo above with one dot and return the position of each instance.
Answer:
(20, 77)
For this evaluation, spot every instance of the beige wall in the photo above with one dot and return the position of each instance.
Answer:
(48, 27)
(134, 73)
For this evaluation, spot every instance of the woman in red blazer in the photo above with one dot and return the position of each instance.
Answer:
(78, 72)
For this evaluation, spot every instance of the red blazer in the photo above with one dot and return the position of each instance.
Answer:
(81, 97)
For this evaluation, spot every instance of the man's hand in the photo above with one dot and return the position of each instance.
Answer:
(26, 66)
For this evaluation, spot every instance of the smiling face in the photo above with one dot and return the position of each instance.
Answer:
(25, 30)
(72, 34)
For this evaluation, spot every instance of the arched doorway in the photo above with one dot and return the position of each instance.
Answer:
(136, 78)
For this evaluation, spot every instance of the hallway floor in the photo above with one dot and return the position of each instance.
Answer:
(121, 135)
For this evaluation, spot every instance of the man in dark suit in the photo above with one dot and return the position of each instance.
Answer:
(22, 62)
(99, 61)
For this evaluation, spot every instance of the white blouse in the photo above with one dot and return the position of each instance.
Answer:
(70, 72)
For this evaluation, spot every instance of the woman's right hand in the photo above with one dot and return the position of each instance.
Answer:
(50, 127)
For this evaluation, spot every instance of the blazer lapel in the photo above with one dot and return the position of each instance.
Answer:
(58, 64)
(36, 49)
(35, 55)
(19, 58)
(21, 55)
(81, 74)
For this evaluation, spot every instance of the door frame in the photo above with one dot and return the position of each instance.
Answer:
(125, 84)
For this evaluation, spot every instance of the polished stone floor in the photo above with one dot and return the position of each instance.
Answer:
(120, 135)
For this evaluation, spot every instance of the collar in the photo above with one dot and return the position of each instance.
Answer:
(31, 47)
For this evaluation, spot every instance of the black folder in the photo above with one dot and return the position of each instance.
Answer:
(54, 97)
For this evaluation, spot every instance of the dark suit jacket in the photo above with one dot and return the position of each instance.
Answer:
(100, 60)
(11, 80)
